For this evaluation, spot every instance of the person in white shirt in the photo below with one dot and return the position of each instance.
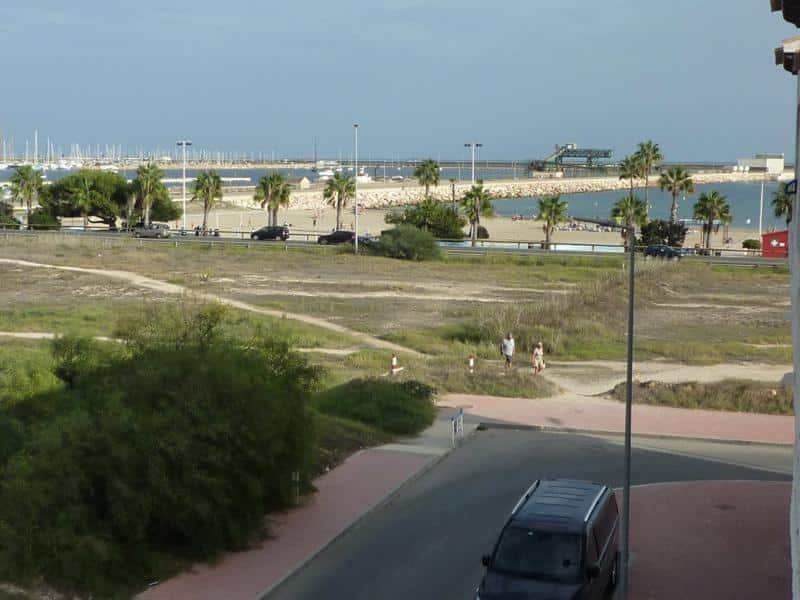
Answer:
(507, 348)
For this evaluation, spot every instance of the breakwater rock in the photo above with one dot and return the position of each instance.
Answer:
(380, 195)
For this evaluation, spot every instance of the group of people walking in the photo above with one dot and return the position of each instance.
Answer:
(537, 356)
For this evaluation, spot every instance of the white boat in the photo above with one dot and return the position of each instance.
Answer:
(325, 174)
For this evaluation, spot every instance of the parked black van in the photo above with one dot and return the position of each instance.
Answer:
(561, 541)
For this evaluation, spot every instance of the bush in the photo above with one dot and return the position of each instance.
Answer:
(409, 243)
(41, 219)
(751, 244)
(7, 216)
(168, 448)
(402, 408)
(660, 231)
(483, 233)
(440, 219)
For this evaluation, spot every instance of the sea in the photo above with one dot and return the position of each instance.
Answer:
(742, 197)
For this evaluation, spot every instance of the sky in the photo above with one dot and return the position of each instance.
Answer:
(421, 77)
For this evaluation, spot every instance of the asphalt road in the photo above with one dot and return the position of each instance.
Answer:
(303, 240)
(427, 543)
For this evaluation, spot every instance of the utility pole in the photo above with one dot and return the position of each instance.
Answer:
(788, 55)
(355, 189)
(183, 144)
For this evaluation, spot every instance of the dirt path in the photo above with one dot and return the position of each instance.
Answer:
(174, 289)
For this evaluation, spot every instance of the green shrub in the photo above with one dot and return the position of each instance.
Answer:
(402, 408)
(660, 231)
(168, 448)
(41, 219)
(483, 233)
(737, 395)
(440, 219)
(409, 243)
(7, 216)
(751, 244)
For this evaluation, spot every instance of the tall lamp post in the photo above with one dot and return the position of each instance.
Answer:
(355, 189)
(473, 145)
(788, 55)
(183, 144)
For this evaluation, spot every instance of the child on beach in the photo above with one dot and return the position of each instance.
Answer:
(507, 349)
(537, 358)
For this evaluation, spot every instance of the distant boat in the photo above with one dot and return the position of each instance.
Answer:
(325, 174)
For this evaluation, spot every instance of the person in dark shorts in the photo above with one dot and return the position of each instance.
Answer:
(507, 348)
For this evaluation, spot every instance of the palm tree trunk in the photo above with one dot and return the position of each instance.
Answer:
(146, 211)
(275, 216)
(646, 196)
(674, 212)
(339, 213)
(548, 231)
(474, 233)
(708, 231)
(205, 214)
(29, 203)
(85, 216)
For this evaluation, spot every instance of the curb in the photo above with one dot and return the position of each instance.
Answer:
(437, 459)
(483, 426)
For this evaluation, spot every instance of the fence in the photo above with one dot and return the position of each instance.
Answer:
(457, 427)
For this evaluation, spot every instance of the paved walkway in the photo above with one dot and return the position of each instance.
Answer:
(598, 414)
(710, 540)
(344, 495)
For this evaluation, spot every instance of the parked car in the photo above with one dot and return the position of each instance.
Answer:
(662, 251)
(270, 232)
(560, 541)
(153, 230)
(337, 237)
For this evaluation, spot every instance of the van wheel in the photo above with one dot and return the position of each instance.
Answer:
(613, 577)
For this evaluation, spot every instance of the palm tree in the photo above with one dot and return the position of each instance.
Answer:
(711, 207)
(631, 211)
(339, 189)
(477, 203)
(552, 210)
(147, 182)
(782, 203)
(83, 196)
(207, 188)
(676, 181)
(427, 173)
(630, 168)
(273, 191)
(648, 154)
(26, 184)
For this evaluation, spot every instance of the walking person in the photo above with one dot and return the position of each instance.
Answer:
(537, 358)
(507, 348)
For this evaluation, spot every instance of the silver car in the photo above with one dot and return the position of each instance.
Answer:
(154, 230)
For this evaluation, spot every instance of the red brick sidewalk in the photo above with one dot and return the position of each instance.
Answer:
(710, 540)
(344, 495)
(600, 415)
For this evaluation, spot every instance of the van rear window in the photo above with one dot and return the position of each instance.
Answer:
(539, 554)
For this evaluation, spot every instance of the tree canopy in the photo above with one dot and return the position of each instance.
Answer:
(477, 203)
(552, 210)
(338, 190)
(439, 219)
(676, 180)
(274, 192)
(712, 207)
(427, 173)
(782, 203)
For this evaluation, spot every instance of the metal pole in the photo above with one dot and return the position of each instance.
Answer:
(473, 163)
(626, 502)
(794, 265)
(183, 145)
(761, 211)
(355, 190)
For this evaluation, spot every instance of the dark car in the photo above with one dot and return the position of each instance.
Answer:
(271, 232)
(337, 237)
(662, 251)
(561, 541)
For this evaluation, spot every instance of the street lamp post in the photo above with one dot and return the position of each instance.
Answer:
(473, 145)
(355, 188)
(183, 144)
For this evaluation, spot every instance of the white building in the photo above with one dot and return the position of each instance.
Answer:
(768, 163)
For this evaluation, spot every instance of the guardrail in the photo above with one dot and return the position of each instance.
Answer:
(308, 238)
